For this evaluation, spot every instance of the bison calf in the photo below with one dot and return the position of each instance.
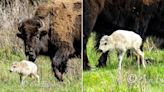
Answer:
(25, 68)
(122, 40)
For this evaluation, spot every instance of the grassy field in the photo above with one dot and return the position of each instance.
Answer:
(9, 82)
(150, 79)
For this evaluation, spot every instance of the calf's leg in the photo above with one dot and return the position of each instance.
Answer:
(37, 77)
(141, 54)
(22, 78)
(120, 58)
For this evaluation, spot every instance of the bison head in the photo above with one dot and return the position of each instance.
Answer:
(32, 32)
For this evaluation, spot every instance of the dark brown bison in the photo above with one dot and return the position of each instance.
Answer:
(54, 31)
(144, 17)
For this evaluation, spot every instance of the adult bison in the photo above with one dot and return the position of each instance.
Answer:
(54, 31)
(145, 17)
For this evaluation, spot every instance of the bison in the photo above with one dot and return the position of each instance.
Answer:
(121, 41)
(145, 17)
(53, 33)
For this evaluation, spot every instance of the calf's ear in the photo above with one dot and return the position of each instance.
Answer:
(19, 35)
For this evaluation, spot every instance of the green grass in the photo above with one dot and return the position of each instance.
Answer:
(9, 82)
(104, 79)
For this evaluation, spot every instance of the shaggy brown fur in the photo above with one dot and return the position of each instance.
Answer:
(62, 23)
(62, 18)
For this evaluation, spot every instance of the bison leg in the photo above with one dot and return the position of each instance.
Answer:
(92, 9)
(59, 61)
(102, 60)
(57, 73)
(86, 65)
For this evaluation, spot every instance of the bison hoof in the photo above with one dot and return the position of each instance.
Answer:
(101, 65)
(87, 67)
(59, 76)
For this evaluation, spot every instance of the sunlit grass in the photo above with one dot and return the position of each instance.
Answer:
(9, 82)
(150, 79)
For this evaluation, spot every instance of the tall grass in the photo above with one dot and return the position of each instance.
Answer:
(133, 79)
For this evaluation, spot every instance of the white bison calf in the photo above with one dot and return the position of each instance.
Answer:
(25, 68)
(121, 40)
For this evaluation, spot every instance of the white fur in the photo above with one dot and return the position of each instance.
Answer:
(121, 40)
(25, 68)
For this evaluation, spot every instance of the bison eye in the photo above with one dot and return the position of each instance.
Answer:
(36, 35)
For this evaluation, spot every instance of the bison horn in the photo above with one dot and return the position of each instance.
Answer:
(20, 24)
(42, 27)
